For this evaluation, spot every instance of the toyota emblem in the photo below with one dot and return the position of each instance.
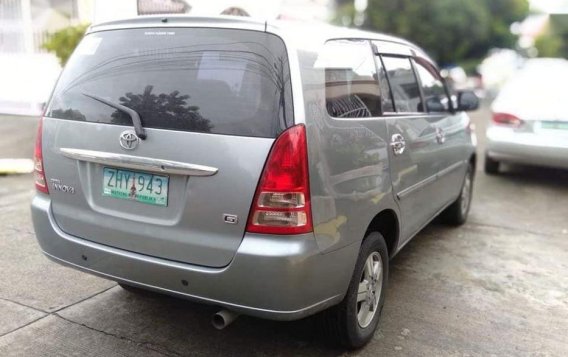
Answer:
(128, 140)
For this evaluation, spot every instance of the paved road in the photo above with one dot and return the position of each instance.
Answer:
(497, 286)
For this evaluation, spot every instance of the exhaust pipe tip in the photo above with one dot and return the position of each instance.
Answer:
(223, 318)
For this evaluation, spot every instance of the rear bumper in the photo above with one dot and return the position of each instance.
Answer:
(279, 278)
(503, 144)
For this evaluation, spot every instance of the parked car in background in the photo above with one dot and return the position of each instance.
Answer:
(497, 68)
(272, 169)
(529, 122)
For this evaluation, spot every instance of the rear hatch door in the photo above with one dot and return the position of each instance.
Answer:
(211, 102)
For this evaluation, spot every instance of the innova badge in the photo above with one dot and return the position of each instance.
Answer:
(128, 140)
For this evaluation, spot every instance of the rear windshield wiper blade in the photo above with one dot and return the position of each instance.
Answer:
(136, 121)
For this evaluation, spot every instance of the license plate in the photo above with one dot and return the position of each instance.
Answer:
(554, 125)
(135, 186)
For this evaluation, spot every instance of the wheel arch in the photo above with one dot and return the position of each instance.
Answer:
(473, 161)
(386, 222)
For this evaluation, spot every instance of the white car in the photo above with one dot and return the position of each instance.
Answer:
(530, 118)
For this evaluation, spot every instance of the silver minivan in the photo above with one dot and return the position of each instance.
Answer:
(269, 168)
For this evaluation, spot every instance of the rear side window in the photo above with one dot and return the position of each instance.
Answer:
(433, 89)
(351, 86)
(403, 83)
(220, 81)
(387, 104)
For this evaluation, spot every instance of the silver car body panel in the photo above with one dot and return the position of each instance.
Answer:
(155, 231)
(277, 277)
(280, 278)
(428, 174)
(347, 198)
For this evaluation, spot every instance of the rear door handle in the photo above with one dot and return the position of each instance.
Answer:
(398, 144)
(440, 136)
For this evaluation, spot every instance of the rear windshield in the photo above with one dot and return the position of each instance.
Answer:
(219, 81)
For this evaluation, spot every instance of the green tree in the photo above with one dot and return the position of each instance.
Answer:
(554, 41)
(502, 14)
(64, 41)
(344, 13)
(169, 110)
(451, 30)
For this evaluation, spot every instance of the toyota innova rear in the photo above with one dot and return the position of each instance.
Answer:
(162, 135)
(169, 158)
(272, 170)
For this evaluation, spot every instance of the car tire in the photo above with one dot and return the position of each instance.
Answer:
(349, 323)
(491, 166)
(456, 214)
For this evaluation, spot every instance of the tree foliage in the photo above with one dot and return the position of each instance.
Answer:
(64, 41)
(451, 30)
(163, 110)
(554, 41)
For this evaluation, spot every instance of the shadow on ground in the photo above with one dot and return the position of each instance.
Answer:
(176, 326)
(531, 175)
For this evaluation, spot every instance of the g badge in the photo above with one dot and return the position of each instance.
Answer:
(230, 218)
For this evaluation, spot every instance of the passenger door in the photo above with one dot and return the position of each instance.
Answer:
(414, 147)
(449, 128)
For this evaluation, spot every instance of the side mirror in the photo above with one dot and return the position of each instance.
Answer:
(467, 101)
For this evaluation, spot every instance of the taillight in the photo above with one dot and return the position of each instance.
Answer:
(282, 201)
(40, 181)
(506, 119)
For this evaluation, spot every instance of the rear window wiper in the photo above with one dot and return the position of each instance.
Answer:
(136, 121)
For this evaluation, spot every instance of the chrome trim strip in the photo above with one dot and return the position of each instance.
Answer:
(139, 163)
(450, 168)
(407, 191)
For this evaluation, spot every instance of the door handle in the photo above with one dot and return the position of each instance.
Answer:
(440, 136)
(398, 144)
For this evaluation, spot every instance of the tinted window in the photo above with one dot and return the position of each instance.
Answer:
(386, 99)
(432, 89)
(404, 86)
(351, 86)
(206, 80)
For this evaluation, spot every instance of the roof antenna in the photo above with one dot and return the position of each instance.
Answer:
(265, 25)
